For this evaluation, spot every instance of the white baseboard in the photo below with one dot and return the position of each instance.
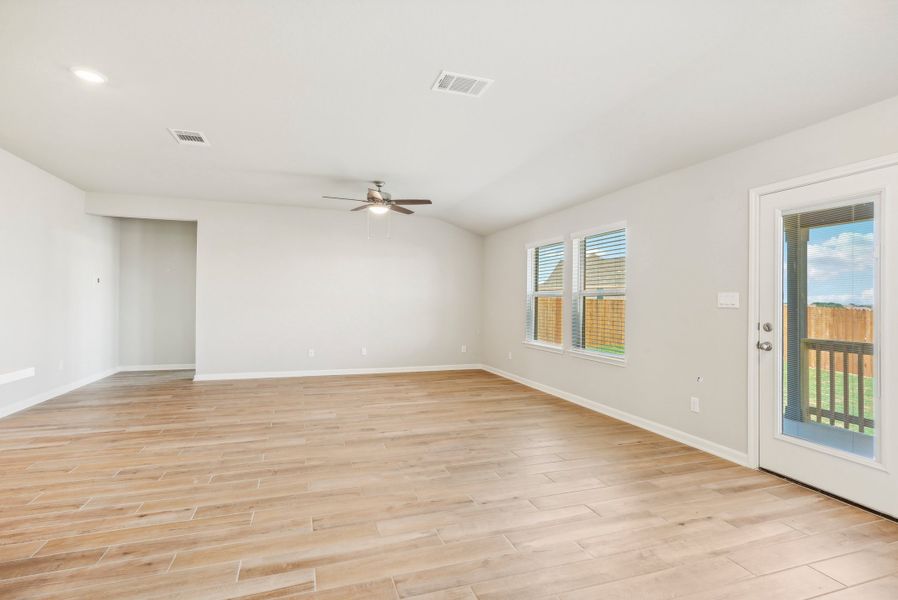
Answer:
(16, 375)
(708, 446)
(169, 367)
(57, 391)
(325, 372)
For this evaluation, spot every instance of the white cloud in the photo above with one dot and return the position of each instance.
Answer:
(834, 298)
(840, 255)
(865, 298)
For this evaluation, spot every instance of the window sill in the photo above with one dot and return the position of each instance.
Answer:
(544, 347)
(601, 358)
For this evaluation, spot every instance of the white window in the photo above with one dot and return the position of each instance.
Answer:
(545, 294)
(599, 293)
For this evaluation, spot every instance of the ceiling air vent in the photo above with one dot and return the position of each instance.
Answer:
(190, 138)
(456, 83)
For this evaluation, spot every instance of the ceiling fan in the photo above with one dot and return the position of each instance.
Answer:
(380, 202)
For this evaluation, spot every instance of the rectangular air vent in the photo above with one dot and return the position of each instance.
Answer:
(456, 83)
(190, 138)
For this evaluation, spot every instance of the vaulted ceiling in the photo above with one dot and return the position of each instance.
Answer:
(304, 98)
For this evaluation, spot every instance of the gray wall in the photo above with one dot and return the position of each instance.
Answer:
(157, 292)
(276, 281)
(54, 314)
(688, 234)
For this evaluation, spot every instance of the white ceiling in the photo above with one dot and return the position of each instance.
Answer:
(304, 98)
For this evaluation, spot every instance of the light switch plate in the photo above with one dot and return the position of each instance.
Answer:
(727, 299)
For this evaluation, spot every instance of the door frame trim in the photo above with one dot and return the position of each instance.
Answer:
(754, 248)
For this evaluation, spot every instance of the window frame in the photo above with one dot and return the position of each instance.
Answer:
(529, 292)
(575, 294)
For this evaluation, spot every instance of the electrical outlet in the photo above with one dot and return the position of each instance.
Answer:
(695, 405)
(364, 351)
(311, 353)
(464, 348)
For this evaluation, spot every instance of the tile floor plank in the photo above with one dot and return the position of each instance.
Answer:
(431, 486)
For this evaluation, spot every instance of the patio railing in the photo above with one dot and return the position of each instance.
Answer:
(835, 392)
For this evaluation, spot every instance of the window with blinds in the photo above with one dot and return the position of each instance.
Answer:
(545, 290)
(599, 293)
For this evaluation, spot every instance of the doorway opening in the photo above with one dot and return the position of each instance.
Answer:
(157, 294)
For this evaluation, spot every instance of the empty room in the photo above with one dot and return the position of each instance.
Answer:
(449, 300)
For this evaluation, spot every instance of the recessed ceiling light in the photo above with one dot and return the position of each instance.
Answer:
(89, 75)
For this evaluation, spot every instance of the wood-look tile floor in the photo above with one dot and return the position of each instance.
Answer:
(455, 485)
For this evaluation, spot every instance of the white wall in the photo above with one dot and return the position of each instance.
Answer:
(688, 239)
(54, 314)
(275, 281)
(157, 292)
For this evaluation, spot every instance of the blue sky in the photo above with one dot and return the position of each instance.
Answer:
(840, 264)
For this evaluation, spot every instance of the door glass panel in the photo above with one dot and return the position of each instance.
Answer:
(829, 278)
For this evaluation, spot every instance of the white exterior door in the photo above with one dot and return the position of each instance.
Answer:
(828, 308)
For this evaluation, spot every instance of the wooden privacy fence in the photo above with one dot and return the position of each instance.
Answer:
(846, 324)
(604, 326)
(604, 321)
(548, 321)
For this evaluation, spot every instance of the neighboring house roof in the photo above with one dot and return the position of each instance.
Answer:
(600, 273)
(604, 273)
(555, 280)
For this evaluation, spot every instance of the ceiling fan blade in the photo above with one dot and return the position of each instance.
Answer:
(362, 207)
(410, 202)
(399, 209)
(339, 198)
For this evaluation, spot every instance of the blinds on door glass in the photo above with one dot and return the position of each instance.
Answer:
(545, 287)
(599, 293)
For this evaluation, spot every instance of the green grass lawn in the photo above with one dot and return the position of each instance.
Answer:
(608, 349)
(840, 400)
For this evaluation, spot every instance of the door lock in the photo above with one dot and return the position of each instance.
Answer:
(765, 346)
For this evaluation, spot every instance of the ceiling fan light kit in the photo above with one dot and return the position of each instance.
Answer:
(379, 202)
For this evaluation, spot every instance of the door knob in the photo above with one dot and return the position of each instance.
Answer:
(765, 346)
